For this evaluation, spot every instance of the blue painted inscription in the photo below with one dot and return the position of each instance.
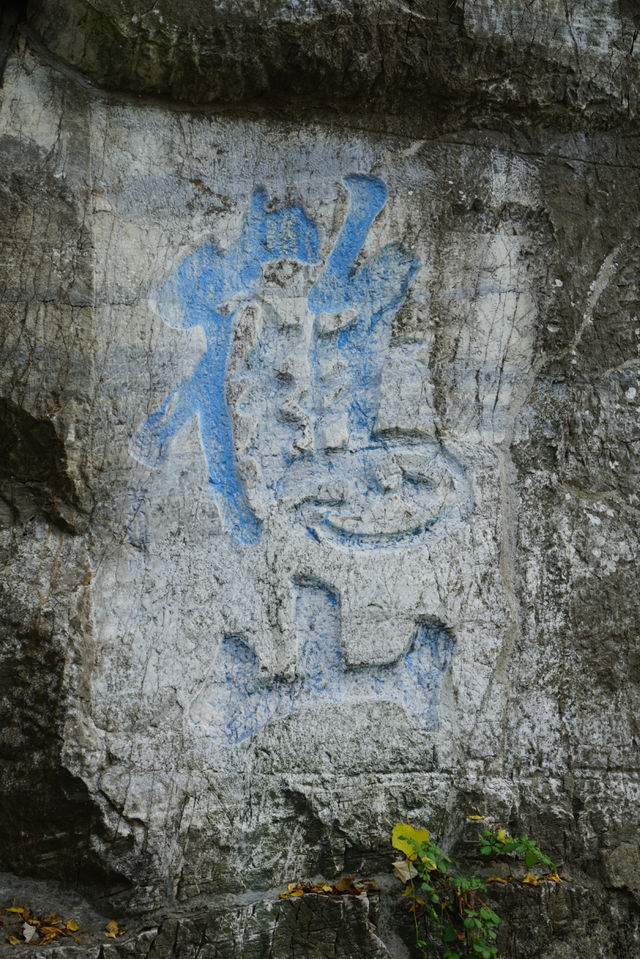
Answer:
(311, 388)
(202, 283)
(374, 291)
(240, 699)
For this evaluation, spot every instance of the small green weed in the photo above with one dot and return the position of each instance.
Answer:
(450, 903)
(494, 844)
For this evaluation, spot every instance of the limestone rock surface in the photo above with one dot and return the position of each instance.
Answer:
(575, 63)
(319, 421)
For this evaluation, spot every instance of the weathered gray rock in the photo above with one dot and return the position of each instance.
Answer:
(318, 472)
(445, 59)
(577, 63)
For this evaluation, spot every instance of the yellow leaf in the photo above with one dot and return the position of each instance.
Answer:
(530, 880)
(476, 818)
(416, 901)
(111, 929)
(497, 879)
(553, 877)
(19, 910)
(12, 939)
(429, 863)
(293, 889)
(401, 832)
(502, 835)
(72, 925)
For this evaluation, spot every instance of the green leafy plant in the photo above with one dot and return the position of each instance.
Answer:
(496, 844)
(450, 904)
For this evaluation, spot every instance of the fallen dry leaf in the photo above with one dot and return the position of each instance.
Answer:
(476, 818)
(530, 880)
(49, 927)
(404, 870)
(111, 929)
(347, 886)
(293, 889)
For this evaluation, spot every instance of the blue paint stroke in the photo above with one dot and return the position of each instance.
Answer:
(241, 699)
(346, 370)
(204, 281)
(343, 495)
(375, 290)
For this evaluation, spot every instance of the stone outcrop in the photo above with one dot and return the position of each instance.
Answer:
(573, 64)
(318, 463)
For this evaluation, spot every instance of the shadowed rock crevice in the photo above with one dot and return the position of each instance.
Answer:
(12, 13)
(34, 479)
(49, 821)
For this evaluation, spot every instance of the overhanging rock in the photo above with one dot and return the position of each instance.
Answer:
(432, 58)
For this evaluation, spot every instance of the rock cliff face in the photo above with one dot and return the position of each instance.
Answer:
(319, 421)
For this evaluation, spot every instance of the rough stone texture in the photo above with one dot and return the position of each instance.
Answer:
(576, 62)
(318, 463)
